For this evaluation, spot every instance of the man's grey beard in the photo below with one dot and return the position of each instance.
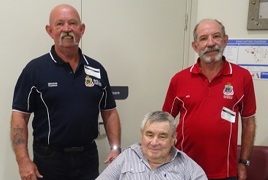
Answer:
(207, 59)
(64, 34)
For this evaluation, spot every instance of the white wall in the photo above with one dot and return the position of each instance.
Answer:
(23, 37)
(139, 43)
(233, 14)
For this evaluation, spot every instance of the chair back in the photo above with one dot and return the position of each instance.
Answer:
(258, 169)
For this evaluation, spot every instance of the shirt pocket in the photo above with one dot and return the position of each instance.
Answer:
(132, 171)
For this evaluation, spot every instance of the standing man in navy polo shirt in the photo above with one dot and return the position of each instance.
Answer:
(65, 90)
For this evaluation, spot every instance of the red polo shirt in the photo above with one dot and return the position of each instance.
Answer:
(206, 132)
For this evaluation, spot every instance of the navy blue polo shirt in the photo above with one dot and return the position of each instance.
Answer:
(65, 104)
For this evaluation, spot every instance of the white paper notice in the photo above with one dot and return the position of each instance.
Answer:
(251, 54)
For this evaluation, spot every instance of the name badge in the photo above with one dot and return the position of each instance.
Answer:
(92, 71)
(228, 114)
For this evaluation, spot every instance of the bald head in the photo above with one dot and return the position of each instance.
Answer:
(65, 27)
(63, 10)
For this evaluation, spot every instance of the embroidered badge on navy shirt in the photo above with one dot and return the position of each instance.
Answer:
(88, 81)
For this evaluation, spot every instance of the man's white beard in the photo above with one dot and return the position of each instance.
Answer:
(207, 59)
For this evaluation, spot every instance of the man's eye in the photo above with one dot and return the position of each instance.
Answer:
(202, 39)
(73, 23)
(59, 24)
(163, 136)
(217, 36)
(149, 134)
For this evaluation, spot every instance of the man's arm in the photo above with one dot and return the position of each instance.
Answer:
(248, 136)
(247, 143)
(113, 131)
(19, 140)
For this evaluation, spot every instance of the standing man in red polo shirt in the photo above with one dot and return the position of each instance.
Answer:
(210, 96)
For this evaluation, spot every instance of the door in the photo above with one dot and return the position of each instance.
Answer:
(141, 44)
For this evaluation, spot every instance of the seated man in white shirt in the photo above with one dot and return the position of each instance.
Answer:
(156, 157)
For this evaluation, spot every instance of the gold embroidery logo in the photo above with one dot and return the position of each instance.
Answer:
(88, 81)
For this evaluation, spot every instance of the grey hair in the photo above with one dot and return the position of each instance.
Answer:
(196, 26)
(159, 116)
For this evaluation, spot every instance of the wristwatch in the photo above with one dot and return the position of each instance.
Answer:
(118, 148)
(244, 161)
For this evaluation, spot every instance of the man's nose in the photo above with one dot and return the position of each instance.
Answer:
(66, 27)
(155, 141)
(210, 41)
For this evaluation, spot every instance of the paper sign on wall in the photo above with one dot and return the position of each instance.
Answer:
(251, 54)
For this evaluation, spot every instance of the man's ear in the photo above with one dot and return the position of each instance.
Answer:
(175, 142)
(82, 29)
(225, 39)
(194, 46)
(49, 30)
(175, 138)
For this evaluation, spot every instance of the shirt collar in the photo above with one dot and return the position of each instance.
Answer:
(226, 68)
(137, 148)
(54, 56)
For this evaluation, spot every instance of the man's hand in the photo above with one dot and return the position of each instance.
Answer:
(28, 170)
(111, 156)
(241, 172)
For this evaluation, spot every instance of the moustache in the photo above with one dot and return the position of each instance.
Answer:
(211, 49)
(66, 34)
(69, 35)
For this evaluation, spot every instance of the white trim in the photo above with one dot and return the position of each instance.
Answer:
(52, 57)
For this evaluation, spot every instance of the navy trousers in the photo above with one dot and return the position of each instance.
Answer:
(66, 164)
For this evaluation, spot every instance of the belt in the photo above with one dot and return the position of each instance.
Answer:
(75, 149)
